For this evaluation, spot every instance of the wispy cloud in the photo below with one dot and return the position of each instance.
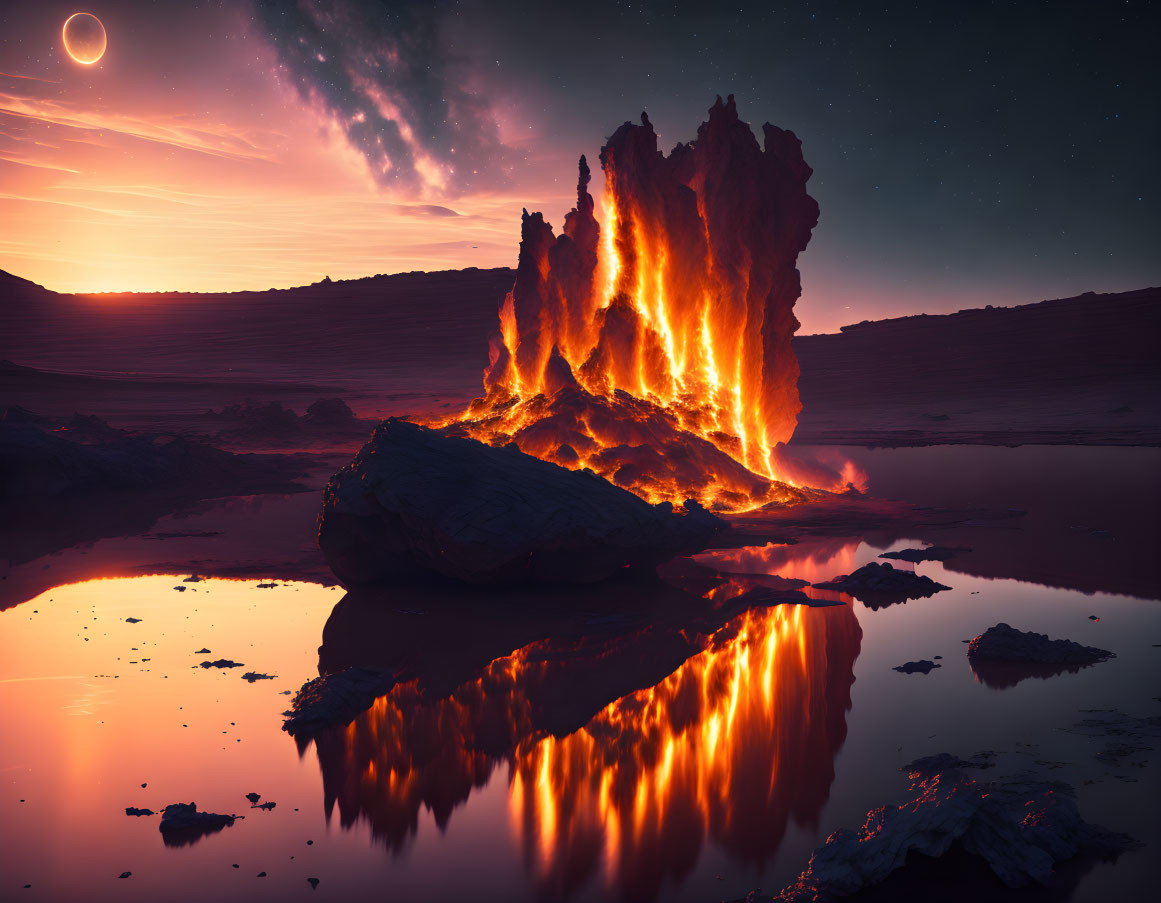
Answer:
(216, 140)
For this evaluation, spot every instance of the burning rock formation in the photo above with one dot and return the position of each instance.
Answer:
(655, 349)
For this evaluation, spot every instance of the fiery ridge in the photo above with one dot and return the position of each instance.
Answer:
(655, 349)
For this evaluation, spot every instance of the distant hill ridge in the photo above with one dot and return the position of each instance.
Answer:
(1146, 295)
(1075, 369)
(10, 280)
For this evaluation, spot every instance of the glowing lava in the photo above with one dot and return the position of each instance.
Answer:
(655, 350)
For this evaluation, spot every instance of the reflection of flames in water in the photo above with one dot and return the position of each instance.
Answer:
(814, 560)
(655, 348)
(731, 745)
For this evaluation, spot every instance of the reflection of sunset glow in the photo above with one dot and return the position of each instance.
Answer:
(724, 749)
(96, 706)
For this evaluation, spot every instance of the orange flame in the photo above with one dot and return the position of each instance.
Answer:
(668, 330)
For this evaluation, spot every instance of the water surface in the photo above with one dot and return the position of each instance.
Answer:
(614, 761)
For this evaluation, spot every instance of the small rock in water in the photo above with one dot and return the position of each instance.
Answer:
(878, 581)
(181, 589)
(182, 823)
(253, 798)
(124, 874)
(1005, 643)
(1093, 618)
(261, 875)
(132, 620)
(313, 882)
(251, 676)
(223, 663)
(267, 585)
(923, 666)
(193, 578)
(132, 810)
(267, 805)
(207, 651)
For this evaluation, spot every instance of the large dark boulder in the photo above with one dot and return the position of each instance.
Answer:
(1020, 828)
(415, 501)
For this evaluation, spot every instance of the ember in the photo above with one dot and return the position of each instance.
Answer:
(655, 349)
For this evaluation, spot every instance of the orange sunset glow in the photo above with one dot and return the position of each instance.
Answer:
(212, 176)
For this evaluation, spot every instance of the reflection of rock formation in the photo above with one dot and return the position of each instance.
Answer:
(726, 748)
(241, 536)
(1004, 675)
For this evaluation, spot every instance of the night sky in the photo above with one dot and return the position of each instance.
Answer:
(964, 154)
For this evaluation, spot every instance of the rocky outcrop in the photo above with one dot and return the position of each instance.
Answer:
(1003, 643)
(1020, 828)
(182, 824)
(414, 501)
(881, 582)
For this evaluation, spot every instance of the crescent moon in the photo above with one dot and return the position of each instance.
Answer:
(88, 40)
